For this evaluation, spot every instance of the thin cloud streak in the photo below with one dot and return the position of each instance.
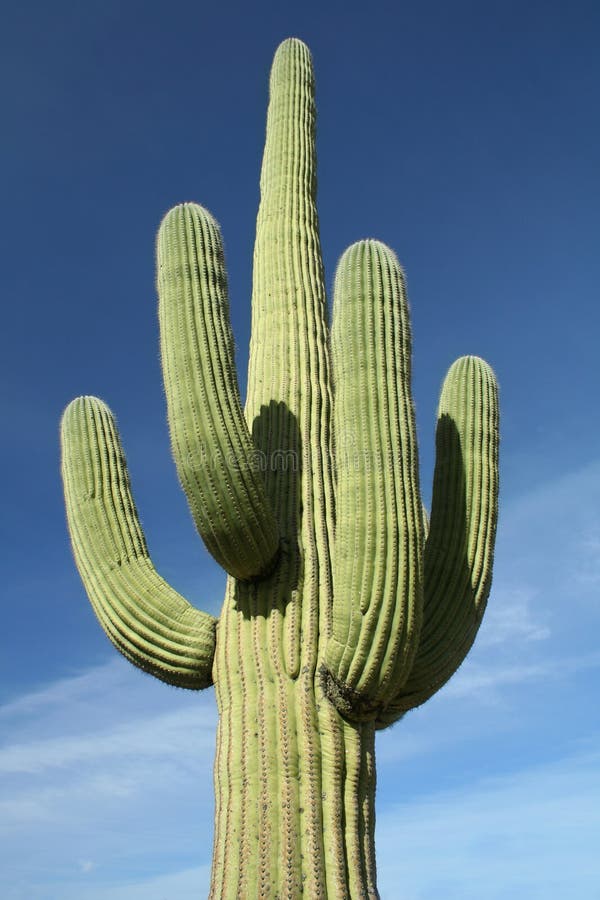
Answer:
(473, 679)
(154, 736)
(509, 618)
(103, 773)
(532, 833)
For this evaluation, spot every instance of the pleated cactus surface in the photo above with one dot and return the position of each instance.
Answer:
(346, 603)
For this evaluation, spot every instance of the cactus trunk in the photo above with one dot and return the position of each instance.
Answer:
(343, 610)
(299, 815)
(295, 787)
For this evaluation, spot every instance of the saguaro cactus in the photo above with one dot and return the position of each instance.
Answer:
(344, 606)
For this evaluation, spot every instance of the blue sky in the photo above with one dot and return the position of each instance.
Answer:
(464, 135)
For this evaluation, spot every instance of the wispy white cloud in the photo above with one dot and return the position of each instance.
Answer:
(149, 736)
(99, 772)
(509, 618)
(543, 613)
(532, 833)
(548, 541)
(586, 572)
(484, 682)
(86, 865)
(570, 491)
(99, 679)
(186, 884)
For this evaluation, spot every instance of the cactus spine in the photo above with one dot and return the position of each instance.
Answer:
(343, 608)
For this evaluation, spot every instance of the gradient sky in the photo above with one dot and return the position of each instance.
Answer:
(466, 136)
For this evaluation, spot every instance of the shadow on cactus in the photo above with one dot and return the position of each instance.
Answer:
(275, 430)
(344, 608)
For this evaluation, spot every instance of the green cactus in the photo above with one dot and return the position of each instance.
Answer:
(344, 606)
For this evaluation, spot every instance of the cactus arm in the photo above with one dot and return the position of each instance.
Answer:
(377, 596)
(148, 621)
(460, 544)
(214, 453)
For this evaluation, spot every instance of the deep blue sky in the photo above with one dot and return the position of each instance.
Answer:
(466, 136)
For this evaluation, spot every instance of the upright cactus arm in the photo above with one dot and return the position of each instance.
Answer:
(377, 560)
(148, 621)
(403, 619)
(460, 545)
(216, 459)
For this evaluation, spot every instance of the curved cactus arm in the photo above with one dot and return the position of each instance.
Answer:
(377, 560)
(460, 546)
(148, 621)
(216, 460)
